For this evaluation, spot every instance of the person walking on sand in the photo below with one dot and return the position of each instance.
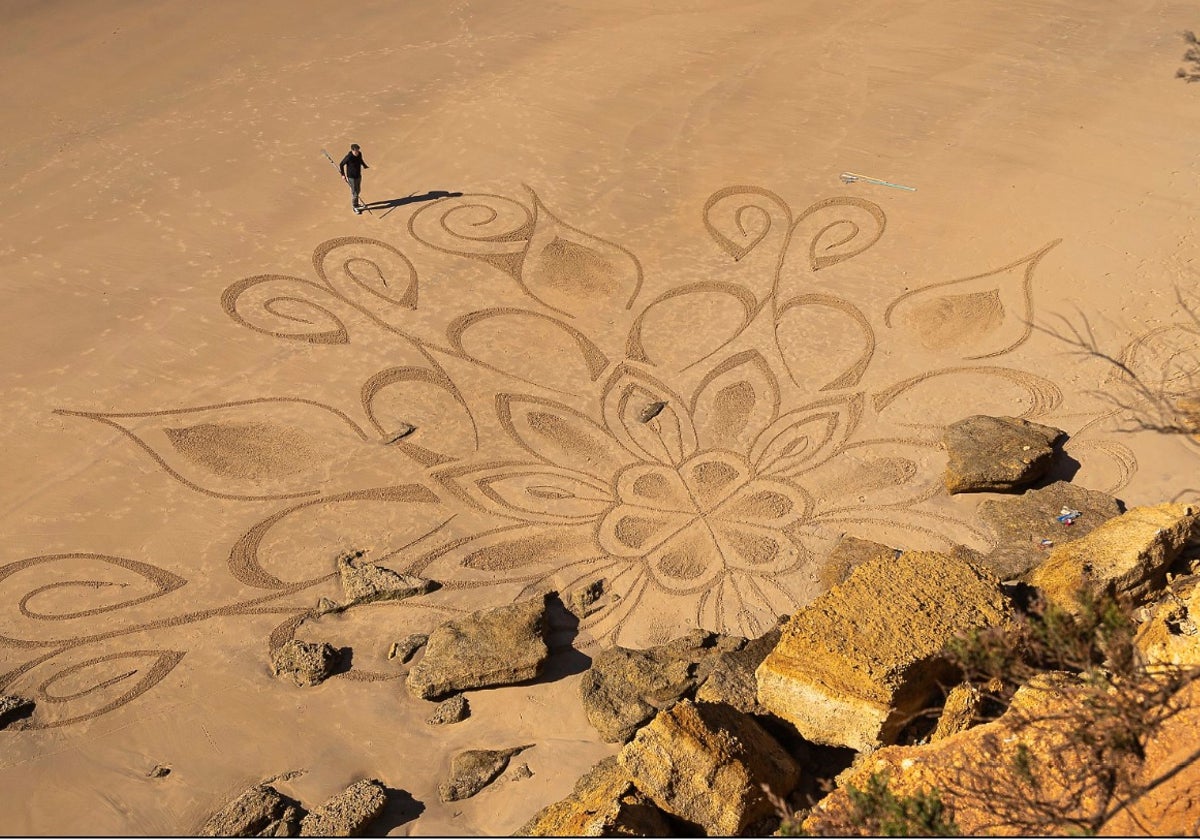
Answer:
(351, 168)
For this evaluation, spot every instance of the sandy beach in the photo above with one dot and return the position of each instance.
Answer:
(641, 328)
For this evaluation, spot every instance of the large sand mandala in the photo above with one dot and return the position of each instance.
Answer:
(559, 419)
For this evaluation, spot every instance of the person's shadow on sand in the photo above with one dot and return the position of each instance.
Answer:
(392, 203)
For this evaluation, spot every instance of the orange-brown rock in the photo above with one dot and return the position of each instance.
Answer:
(1026, 773)
(1170, 637)
(858, 660)
(1127, 556)
(707, 763)
(605, 803)
(958, 712)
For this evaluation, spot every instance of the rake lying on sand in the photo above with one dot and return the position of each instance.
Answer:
(850, 178)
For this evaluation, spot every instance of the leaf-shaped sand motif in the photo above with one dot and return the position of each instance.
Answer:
(285, 307)
(97, 686)
(373, 275)
(979, 317)
(251, 449)
(576, 273)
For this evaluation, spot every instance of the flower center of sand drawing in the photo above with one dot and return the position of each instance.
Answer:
(710, 515)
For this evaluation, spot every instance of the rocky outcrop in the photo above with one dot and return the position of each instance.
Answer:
(260, 811)
(1019, 524)
(1014, 775)
(473, 770)
(856, 662)
(1127, 556)
(14, 709)
(1170, 636)
(493, 647)
(451, 710)
(363, 582)
(605, 803)
(707, 763)
(585, 600)
(997, 453)
(305, 663)
(731, 679)
(347, 813)
(625, 688)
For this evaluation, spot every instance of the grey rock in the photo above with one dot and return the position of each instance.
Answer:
(1020, 523)
(364, 582)
(407, 648)
(347, 813)
(651, 411)
(625, 688)
(451, 710)
(400, 433)
(493, 647)
(473, 770)
(306, 663)
(732, 679)
(325, 606)
(159, 771)
(14, 709)
(260, 811)
(997, 453)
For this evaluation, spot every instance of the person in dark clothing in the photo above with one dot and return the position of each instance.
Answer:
(351, 168)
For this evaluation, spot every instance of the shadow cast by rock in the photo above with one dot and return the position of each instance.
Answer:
(401, 808)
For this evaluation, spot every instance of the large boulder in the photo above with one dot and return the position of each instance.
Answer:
(625, 688)
(363, 582)
(708, 764)
(856, 663)
(347, 813)
(500, 646)
(605, 803)
(997, 453)
(260, 811)
(473, 770)
(304, 663)
(1019, 524)
(1126, 557)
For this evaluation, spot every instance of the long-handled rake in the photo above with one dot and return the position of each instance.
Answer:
(851, 177)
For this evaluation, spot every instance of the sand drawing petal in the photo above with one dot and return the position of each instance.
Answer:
(420, 412)
(744, 605)
(876, 474)
(735, 402)
(977, 317)
(286, 307)
(500, 340)
(1105, 465)
(558, 434)
(573, 272)
(921, 403)
(266, 448)
(1164, 362)
(54, 596)
(838, 229)
(72, 692)
(529, 492)
(826, 343)
(688, 561)
(739, 218)
(690, 323)
(513, 553)
(374, 276)
(490, 228)
(647, 417)
(807, 437)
